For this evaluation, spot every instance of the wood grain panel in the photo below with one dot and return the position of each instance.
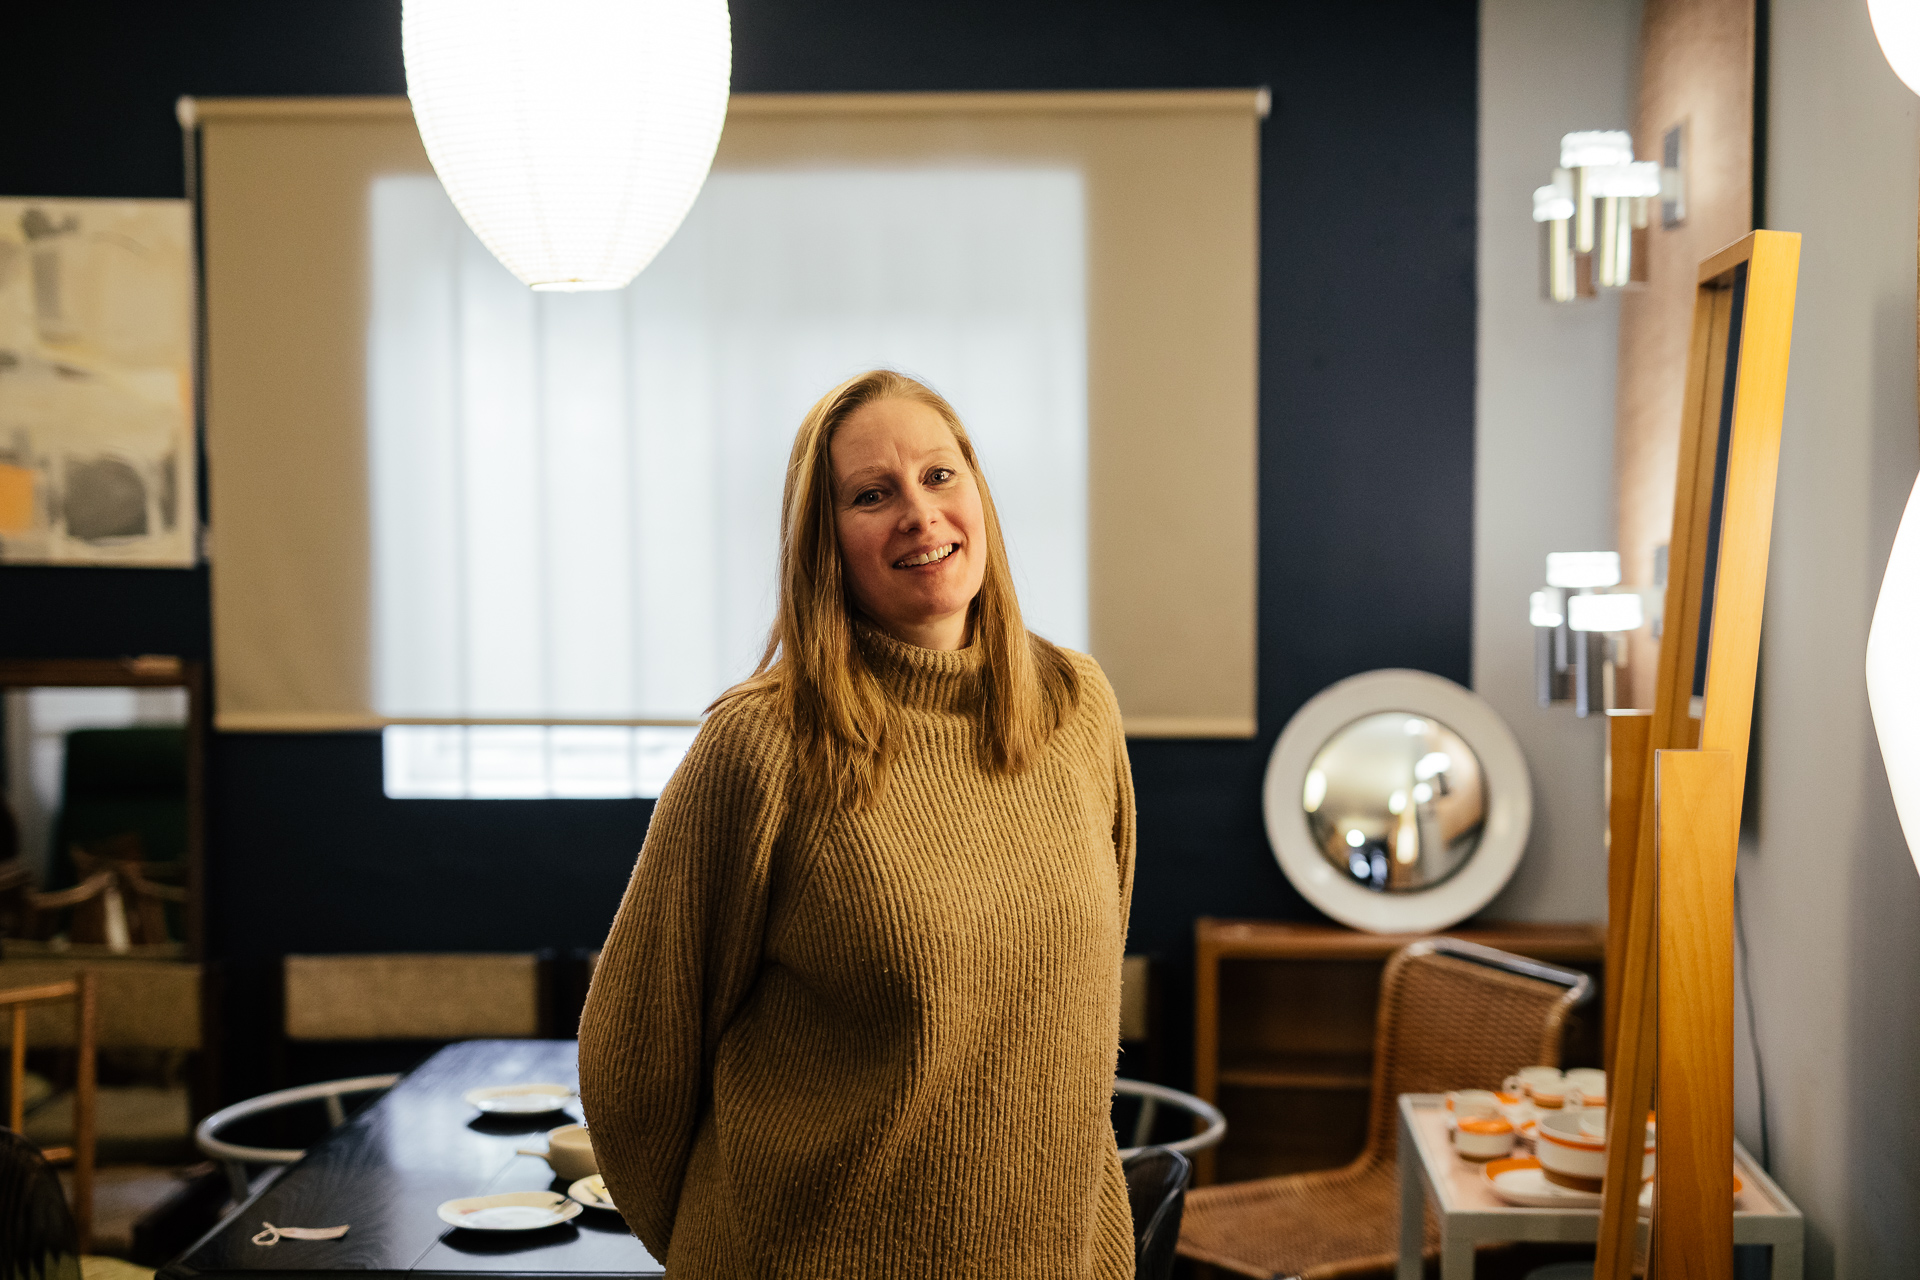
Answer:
(1631, 1082)
(1699, 805)
(1628, 733)
(1697, 69)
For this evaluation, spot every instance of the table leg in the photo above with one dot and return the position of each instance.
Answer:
(1789, 1259)
(1413, 1206)
(1456, 1256)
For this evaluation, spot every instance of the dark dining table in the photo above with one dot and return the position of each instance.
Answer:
(387, 1170)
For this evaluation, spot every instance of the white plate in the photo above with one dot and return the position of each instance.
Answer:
(520, 1099)
(1520, 1181)
(514, 1211)
(591, 1191)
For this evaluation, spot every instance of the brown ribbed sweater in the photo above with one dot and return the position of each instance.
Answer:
(828, 1044)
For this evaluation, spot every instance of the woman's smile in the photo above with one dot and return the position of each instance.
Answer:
(927, 559)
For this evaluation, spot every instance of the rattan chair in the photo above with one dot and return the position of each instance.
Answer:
(1453, 1015)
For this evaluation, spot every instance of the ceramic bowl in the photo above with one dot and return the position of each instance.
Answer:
(569, 1153)
(1573, 1158)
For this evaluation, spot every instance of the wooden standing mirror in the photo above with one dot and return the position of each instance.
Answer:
(1676, 781)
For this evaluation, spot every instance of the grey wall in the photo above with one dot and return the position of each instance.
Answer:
(1543, 417)
(1831, 899)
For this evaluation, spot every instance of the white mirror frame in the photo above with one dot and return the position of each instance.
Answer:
(1502, 840)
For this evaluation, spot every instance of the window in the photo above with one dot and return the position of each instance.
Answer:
(576, 497)
(530, 762)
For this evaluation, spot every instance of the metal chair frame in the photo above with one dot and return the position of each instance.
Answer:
(1151, 1097)
(1578, 983)
(1156, 1237)
(236, 1158)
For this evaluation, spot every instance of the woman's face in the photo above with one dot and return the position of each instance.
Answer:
(912, 534)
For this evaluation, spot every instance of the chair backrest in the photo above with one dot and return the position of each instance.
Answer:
(143, 1004)
(1454, 1015)
(412, 997)
(38, 1237)
(1156, 1193)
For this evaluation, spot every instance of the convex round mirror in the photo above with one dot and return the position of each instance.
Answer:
(1397, 801)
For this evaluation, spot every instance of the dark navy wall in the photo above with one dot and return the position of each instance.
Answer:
(1366, 437)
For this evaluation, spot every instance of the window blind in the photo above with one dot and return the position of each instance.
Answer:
(435, 499)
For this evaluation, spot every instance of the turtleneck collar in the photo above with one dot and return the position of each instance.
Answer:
(923, 679)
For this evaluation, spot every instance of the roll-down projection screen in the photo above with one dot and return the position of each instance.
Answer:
(437, 500)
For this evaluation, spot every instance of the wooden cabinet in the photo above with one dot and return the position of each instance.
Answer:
(1283, 1032)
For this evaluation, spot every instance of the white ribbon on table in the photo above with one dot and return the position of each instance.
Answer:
(273, 1235)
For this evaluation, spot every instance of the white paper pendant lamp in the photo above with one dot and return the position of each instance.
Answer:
(1893, 672)
(572, 135)
(1896, 24)
(1893, 645)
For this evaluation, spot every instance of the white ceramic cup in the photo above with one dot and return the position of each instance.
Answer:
(1462, 1103)
(1480, 1138)
(1590, 1083)
(569, 1153)
(1545, 1085)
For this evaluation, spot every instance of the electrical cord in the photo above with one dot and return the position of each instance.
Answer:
(1753, 1032)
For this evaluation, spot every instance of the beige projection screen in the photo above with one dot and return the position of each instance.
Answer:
(1171, 181)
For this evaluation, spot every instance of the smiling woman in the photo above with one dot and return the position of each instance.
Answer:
(872, 946)
(908, 510)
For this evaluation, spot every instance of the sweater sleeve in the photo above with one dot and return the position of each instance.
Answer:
(1123, 819)
(683, 955)
(1097, 692)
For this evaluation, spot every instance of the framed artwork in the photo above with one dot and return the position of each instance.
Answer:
(97, 458)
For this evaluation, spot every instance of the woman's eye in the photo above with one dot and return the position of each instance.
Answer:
(866, 497)
(939, 475)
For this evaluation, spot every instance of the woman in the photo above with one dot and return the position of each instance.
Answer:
(859, 1011)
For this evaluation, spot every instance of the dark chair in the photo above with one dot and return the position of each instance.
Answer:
(38, 1239)
(1156, 1191)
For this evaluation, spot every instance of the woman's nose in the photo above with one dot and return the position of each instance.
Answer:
(919, 513)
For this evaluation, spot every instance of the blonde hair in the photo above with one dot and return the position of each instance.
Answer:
(843, 721)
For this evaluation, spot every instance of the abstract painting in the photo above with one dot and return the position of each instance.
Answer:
(97, 461)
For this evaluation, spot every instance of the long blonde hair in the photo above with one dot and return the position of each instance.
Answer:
(843, 722)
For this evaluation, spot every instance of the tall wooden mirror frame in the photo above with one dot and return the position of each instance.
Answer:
(1674, 807)
(149, 672)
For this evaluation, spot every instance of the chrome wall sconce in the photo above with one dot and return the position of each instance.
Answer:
(1580, 620)
(1598, 199)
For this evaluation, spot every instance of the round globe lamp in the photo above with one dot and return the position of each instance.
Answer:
(572, 135)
